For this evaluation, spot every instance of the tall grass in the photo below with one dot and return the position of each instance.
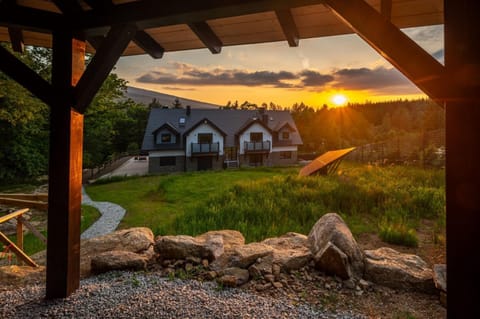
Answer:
(370, 199)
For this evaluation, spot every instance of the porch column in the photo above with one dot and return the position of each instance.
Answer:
(462, 36)
(65, 169)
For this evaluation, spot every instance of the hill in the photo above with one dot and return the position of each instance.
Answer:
(146, 96)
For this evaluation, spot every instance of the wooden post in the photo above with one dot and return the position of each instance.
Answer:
(462, 35)
(19, 235)
(65, 169)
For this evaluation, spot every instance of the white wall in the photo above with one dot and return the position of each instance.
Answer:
(293, 148)
(217, 137)
(254, 128)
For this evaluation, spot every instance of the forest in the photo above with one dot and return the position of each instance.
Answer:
(115, 124)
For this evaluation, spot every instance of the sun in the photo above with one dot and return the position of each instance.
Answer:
(339, 99)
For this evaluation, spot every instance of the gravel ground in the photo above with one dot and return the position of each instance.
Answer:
(146, 295)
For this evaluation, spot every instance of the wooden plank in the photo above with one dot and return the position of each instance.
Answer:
(40, 205)
(36, 197)
(289, 27)
(207, 36)
(32, 229)
(17, 251)
(395, 46)
(65, 169)
(386, 9)
(148, 44)
(13, 215)
(21, 73)
(19, 234)
(102, 63)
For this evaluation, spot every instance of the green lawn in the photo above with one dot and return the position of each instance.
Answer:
(267, 202)
(155, 201)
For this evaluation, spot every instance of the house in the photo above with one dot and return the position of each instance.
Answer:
(202, 139)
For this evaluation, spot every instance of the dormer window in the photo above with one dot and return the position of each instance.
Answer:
(181, 121)
(166, 138)
(285, 135)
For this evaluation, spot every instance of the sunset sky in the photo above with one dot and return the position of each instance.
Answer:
(314, 72)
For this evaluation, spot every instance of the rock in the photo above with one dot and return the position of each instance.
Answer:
(440, 276)
(118, 260)
(291, 251)
(234, 277)
(349, 283)
(331, 228)
(388, 267)
(333, 261)
(181, 247)
(263, 266)
(137, 240)
(21, 275)
(269, 278)
(242, 256)
(277, 285)
(231, 238)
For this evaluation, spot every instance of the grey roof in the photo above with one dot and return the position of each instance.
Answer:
(229, 121)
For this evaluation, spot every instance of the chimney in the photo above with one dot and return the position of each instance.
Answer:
(263, 115)
(189, 110)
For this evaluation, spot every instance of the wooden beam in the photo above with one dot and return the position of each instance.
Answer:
(25, 76)
(16, 39)
(462, 32)
(395, 46)
(65, 169)
(148, 44)
(386, 9)
(12, 15)
(69, 7)
(152, 13)
(17, 250)
(207, 36)
(102, 64)
(142, 39)
(289, 27)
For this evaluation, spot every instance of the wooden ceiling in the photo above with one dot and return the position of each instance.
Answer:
(166, 27)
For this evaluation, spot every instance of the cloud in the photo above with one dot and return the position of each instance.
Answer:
(377, 80)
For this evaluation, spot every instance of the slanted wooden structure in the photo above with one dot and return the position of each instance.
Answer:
(325, 164)
(112, 28)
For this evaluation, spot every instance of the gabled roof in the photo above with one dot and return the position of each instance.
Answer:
(249, 123)
(207, 122)
(227, 121)
(168, 126)
(284, 124)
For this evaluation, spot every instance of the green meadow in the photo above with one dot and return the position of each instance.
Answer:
(265, 202)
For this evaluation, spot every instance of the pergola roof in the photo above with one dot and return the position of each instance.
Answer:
(185, 25)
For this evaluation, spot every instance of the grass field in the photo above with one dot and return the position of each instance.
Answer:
(267, 202)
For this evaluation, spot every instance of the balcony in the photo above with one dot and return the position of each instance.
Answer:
(257, 147)
(205, 149)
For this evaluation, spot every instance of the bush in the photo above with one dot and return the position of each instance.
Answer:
(398, 234)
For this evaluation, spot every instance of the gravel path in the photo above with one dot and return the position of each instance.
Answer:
(112, 214)
(146, 295)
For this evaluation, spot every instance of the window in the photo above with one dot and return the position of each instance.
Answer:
(181, 121)
(256, 137)
(205, 138)
(168, 161)
(166, 138)
(286, 155)
(285, 135)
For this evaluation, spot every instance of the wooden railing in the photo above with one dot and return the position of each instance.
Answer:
(17, 249)
(37, 201)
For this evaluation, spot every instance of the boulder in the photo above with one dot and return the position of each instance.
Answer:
(118, 260)
(242, 256)
(291, 251)
(234, 277)
(333, 261)
(388, 267)
(231, 238)
(21, 275)
(440, 277)
(331, 228)
(137, 240)
(182, 246)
